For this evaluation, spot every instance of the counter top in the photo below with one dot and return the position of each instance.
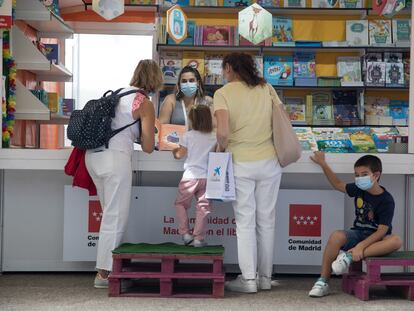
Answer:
(37, 159)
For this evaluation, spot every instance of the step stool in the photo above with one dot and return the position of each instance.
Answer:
(358, 283)
(163, 263)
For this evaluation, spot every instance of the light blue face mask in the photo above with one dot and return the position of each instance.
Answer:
(364, 182)
(189, 88)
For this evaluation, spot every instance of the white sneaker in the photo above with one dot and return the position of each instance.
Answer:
(265, 283)
(187, 238)
(341, 264)
(241, 285)
(319, 289)
(199, 243)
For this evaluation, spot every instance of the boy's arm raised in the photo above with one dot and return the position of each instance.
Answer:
(319, 158)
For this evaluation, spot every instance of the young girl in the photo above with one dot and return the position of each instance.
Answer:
(196, 144)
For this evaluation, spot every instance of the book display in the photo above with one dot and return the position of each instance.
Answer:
(347, 83)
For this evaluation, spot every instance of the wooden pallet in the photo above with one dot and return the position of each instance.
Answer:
(358, 283)
(166, 275)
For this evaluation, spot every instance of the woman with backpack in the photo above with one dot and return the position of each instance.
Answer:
(111, 168)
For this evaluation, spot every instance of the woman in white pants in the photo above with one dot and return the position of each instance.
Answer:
(111, 168)
(243, 109)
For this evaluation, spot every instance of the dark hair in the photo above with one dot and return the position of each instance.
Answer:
(370, 161)
(200, 118)
(200, 90)
(245, 67)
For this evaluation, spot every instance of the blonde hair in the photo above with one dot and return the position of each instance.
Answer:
(148, 76)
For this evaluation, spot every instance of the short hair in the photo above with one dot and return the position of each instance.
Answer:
(147, 76)
(201, 119)
(370, 161)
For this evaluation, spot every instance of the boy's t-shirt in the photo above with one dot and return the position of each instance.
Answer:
(198, 146)
(371, 210)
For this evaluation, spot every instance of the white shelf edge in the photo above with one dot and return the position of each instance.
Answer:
(28, 107)
(57, 72)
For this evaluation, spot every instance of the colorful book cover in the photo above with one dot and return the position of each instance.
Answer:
(295, 107)
(237, 3)
(268, 3)
(278, 69)
(294, 3)
(170, 136)
(304, 68)
(306, 138)
(349, 69)
(171, 65)
(394, 74)
(52, 52)
(52, 5)
(357, 32)
(194, 59)
(213, 70)
(401, 30)
(393, 57)
(332, 140)
(399, 112)
(205, 3)
(350, 4)
(282, 31)
(383, 136)
(380, 32)
(375, 74)
(377, 111)
(345, 105)
(53, 102)
(361, 139)
(190, 35)
(326, 4)
(322, 109)
(68, 106)
(216, 35)
(170, 3)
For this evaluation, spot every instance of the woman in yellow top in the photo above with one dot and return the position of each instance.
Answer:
(243, 111)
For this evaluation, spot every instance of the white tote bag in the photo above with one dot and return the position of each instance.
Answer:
(220, 177)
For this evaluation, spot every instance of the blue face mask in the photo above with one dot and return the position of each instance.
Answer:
(189, 88)
(364, 182)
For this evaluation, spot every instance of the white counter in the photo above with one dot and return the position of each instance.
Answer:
(36, 159)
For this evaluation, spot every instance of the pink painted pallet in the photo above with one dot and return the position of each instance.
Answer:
(358, 283)
(174, 275)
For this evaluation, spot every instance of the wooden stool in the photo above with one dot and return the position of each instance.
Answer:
(163, 263)
(358, 283)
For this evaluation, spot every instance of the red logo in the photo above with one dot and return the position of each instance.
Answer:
(95, 216)
(305, 220)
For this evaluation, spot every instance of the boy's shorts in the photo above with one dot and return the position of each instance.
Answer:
(354, 236)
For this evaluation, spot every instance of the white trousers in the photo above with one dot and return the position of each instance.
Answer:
(111, 171)
(257, 187)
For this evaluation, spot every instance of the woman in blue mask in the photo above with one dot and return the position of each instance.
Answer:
(188, 92)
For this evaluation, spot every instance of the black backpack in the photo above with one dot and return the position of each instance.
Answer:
(90, 127)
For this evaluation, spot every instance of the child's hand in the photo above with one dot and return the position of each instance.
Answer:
(175, 153)
(357, 253)
(318, 157)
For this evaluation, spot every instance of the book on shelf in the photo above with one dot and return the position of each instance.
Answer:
(377, 111)
(306, 138)
(308, 43)
(335, 43)
(393, 57)
(394, 74)
(53, 102)
(382, 137)
(295, 107)
(308, 109)
(345, 105)
(322, 109)
(171, 65)
(326, 4)
(171, 3)
(350, 4)
(278, 69)
(304, 69)
(402, 130)
(332, 140)
(380, 32)
(51, 5)
(205, 2)
(194, 59)
(294, 3)
(217, 35)
(329, 81)
(213, 69)
(268, 3)
(401, 32)
(279, 93)
(399, 112)
(361, 139)
(189, 40)
(67, 106)
(52, 52)
(357, 32)
(406, 63)
(375, 74)
(142, 2)
(258, 60)
(237, 3)
(282, 31)
(349, 69)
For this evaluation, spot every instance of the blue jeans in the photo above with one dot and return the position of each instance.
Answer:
(354, 236)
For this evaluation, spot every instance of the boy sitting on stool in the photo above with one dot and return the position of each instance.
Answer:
(371, 232)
